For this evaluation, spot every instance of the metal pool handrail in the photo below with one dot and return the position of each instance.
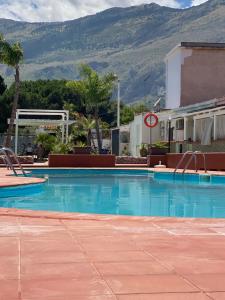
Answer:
(181, 160)
(8, 158)
(193, 156)
(204, 159)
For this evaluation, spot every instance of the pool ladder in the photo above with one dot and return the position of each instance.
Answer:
(193, 155)
(11, 161)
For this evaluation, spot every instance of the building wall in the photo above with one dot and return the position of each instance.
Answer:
(135, 135)
(202, 76)
(174, 61)
(173, 73)
(139, 133)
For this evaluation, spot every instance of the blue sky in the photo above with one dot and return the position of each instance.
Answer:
(61, 10)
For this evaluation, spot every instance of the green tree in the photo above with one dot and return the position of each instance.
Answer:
(48, 141)
(87, 124)
(11, 55)
(127, 114)
(95, 92)
(140, 108)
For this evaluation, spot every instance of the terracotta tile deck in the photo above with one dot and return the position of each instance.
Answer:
(6, 180)
(54, 256)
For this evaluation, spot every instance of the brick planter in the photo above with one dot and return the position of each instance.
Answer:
(81, 160)
(131, 160)
(154, 160)
(22, 159)
(214, 161)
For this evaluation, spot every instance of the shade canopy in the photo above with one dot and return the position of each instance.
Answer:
(41, 117)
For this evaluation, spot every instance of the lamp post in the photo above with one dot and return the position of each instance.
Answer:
(169, 134)
(118, 102)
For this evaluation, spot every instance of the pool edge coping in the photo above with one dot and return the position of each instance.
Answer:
(51, 215)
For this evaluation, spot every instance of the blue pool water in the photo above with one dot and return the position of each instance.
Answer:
(121, 192)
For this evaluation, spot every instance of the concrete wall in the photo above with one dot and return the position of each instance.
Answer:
(136, 135)
(173, 74)
(202, 76)
(174, 61)
(140, 133)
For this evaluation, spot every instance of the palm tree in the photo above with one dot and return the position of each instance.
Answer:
(87, 123)
(11, 55)
(95, 92)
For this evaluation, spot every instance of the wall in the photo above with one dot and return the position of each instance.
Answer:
(136, 135)
(140, 133)
(79, 160)
(22, 159)
(173, 71)
(202, 76)
(174, 60)
(216, 146)
(214, 161)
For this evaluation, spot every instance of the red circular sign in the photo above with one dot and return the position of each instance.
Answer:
(151, 120)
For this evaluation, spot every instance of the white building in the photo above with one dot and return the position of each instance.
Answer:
(141, 134)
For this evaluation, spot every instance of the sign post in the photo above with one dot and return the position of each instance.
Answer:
(151, 120)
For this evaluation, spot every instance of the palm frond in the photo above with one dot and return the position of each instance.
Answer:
(10, 55)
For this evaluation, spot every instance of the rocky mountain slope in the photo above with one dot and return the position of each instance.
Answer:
(131, 42)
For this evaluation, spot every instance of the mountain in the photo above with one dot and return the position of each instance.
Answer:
(131, 42)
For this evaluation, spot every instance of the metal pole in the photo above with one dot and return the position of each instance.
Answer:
(67, 126)
(169, 136)
(63, 129)
(16, 134)
(118, 103)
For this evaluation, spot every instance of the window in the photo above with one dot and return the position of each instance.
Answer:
(162, 130)
(180, 124)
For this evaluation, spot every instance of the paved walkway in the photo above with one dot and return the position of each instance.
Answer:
(52, 256)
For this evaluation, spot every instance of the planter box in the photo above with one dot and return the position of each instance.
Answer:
(155, 159)
(214, 161)
(158, 151)
(22, 159)
(81, 160)
(81, 150)
(131, 160)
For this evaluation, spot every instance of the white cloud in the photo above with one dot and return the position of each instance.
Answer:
(60, 10)
(198, 2)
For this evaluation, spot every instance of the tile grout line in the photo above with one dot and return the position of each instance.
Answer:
(19, 263)
(176, 273)
(90, 261)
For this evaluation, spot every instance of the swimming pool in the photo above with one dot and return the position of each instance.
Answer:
(121, 192)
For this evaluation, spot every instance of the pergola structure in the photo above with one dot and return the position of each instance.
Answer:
(40, 117)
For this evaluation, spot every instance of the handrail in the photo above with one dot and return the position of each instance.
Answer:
(193, 156)
(181, 160)
(204, 159)
(9, 163)
(189, 161)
